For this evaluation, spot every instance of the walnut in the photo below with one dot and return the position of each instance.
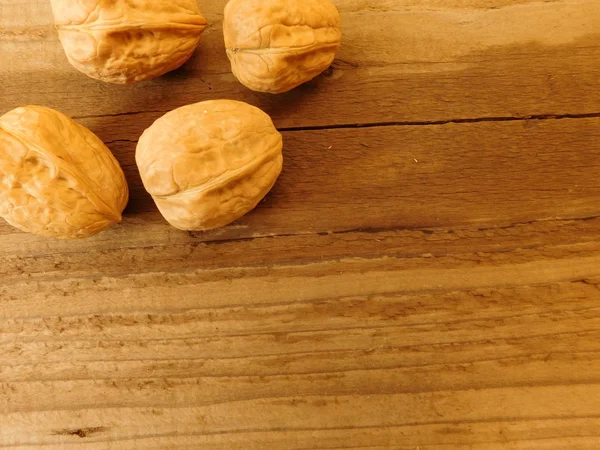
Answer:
(276, 45)
(57, 178)
(209, 163)
(125, 41)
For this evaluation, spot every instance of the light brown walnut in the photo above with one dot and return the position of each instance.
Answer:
(208, 164)
(126, 41)
(277, 45)
(57, 178)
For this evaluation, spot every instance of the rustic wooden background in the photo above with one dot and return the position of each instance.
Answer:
(425, 275)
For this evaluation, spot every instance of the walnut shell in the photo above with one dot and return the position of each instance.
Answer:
(208, 164)
(276, 45)
(125, 41)
(57, 178)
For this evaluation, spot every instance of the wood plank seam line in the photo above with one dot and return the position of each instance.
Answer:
(424, 230)
(445, 122)
(387, 124)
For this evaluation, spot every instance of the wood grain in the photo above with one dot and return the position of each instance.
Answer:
(425, 275)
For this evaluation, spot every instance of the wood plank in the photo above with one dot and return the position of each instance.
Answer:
(225, 358)
(453, 175)
(450, 60)
(159, 249)
(272, 285)
(489, 436)
(535, 352)
(166, 392)
(334, 412)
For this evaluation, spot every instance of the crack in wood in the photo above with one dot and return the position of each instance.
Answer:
(445, 122)
(80, 432)
(537, 117)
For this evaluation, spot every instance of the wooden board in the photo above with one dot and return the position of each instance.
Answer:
(425, 274)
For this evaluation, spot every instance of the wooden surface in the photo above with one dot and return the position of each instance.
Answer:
(425, 275)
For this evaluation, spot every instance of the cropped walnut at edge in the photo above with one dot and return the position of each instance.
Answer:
(208, 164)
(277, 45)
(121, 41)
(57, 178)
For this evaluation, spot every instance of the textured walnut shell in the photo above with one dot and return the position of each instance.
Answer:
(208, 164)
(125, 41)
(276, 45)
(57, 178)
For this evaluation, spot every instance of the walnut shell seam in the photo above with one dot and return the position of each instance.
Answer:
(134, 26)
(283, 50)
(226, 177)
